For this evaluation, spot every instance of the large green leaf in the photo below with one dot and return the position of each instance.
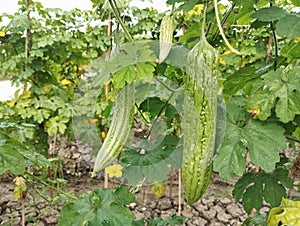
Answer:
(239, 79)
(99, 207)
(151, 160)
(271, 13)
(279, 89)
(253, 188)
(132, 73)
(262, 140)
(289, 26)
(127, 56)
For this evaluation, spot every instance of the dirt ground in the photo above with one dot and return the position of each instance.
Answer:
(215, 208)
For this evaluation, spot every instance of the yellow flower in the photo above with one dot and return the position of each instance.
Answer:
(66, 82)
(2, 33)
(197, 10)
(114, 171)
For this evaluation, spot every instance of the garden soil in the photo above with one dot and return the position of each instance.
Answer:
(216, 207)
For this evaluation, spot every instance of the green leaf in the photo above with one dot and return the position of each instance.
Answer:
(253, 188)
(273, 192)
(127, 56)
(186, 6)
(152, 105)
(277, 85)
(283, 177)
(99, 207)
(239, 79)
(131, 73)
(56, 125)
(34, 158)
(172, 220)
(152, 159)
(19, 23)
(177, 56)
(10, 157)
(44, 41)
(259, 219)
(253, 197)
(271, 13)
(291, 51)
(289, 26)
(230, 159)
(262, 140)
(296, 2)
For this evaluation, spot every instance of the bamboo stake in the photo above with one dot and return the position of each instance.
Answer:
(28, 40)
(171, 183)
(107, 57)
(179, 192)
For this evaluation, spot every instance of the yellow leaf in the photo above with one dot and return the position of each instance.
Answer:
(20, 190)
(287, 214)
(2, 33)
(66, 82)
(114, 171)
(158, 188)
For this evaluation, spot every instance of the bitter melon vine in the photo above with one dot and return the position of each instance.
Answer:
(200, 116)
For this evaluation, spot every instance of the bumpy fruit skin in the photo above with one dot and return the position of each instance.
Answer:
(200, 116)
(167, 28)
(118, 133)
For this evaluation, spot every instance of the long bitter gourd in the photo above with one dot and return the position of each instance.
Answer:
(200, 116)
(167, 28)
(119, 129)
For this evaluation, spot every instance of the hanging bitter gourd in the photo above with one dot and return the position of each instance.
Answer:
(200, 116)
(119, 129)
(167, 28)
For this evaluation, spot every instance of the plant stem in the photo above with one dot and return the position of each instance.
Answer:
(269, 48)
(293, 139)
(221, 30)
(224, 20)
(275, 39)
(117, 15)
(52, 187)
(275, 45)
(164, 85)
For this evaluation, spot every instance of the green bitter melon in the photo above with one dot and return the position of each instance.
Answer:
(200, 116)
(119, 129)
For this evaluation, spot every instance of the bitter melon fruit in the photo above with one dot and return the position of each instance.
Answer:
(200, 116)
(167, 28)
(119, 129)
